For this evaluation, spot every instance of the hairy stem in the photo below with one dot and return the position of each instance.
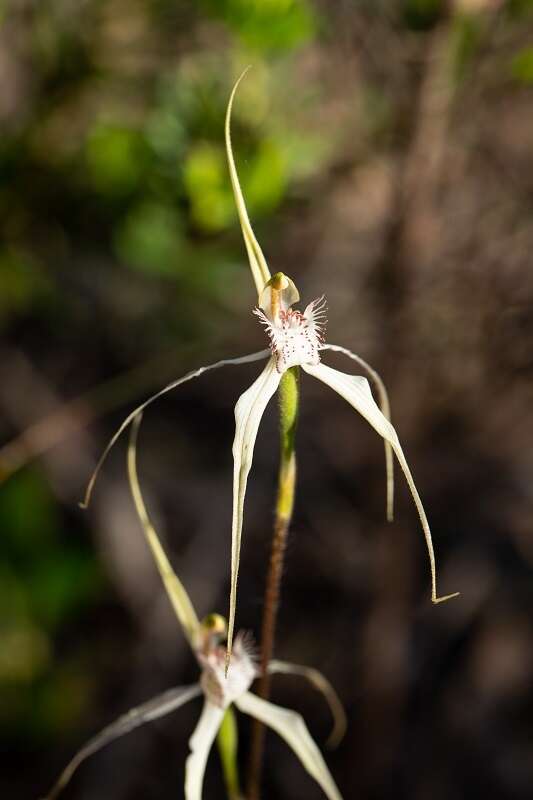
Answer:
(288, 406)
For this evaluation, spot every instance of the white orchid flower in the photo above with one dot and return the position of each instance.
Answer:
(219, 692)
(296, 339)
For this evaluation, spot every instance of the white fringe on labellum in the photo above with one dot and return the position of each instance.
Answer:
(296, 337)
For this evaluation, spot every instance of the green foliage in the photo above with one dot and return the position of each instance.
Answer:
(149, 239)
(521, 66)
(467, 32)
(519, 8)
(265, 181)
(263, 178)
(23, 284)
(422, 15)
(44, 583)
(47, 580)
(266, 24)
(28, 516)
(205, 181)
(116, 158)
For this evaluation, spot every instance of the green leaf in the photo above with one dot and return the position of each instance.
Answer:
(150, 240)
(521, 66)
(204, 176)
(116, 157)
(267, 24)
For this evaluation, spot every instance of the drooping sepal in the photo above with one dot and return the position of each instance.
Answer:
(292, 728)
(248, 413)
(356, 391)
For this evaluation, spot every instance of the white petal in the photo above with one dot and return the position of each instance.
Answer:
(385, 410)
(356, 391)
(248, 413)
(175, 589)
(157, 707)
(129, 419)
(200, 743)
(258, 265)
(321, 683)
(291, 727)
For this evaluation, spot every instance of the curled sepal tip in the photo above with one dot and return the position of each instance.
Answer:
(321, 684)
(444, 598)
(136, 411)
(384, 405)
(356, 391)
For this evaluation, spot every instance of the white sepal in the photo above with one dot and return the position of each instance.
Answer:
(258, 265)
(356, 391)
(158, 707)
(321, 684)
(384, 405)
(248, 413)
(200, 743)
(176, 591)
(195, 373)
(292, 728)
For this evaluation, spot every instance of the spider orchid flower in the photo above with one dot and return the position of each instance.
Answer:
(296, 338)
(219, 692)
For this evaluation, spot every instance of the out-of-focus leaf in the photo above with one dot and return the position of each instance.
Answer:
(263, 178)
(422, 15)
(61, 585)
(467, 31)
(38, 698)
(28, 516)
(24, 654)
(266, 179)
(150, 240)
(116, 158)
(60, 701)
(22, 284)
(41, 581)
(267, 24)
(204, 175)
(522, 66)
(14, 594)
(519, 8)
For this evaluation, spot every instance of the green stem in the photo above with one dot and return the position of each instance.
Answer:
(227, 741)
(288, 409)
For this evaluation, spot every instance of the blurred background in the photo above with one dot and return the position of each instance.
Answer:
(385, 150)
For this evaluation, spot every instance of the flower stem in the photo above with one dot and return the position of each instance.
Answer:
(288, 395)
(227, 747)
